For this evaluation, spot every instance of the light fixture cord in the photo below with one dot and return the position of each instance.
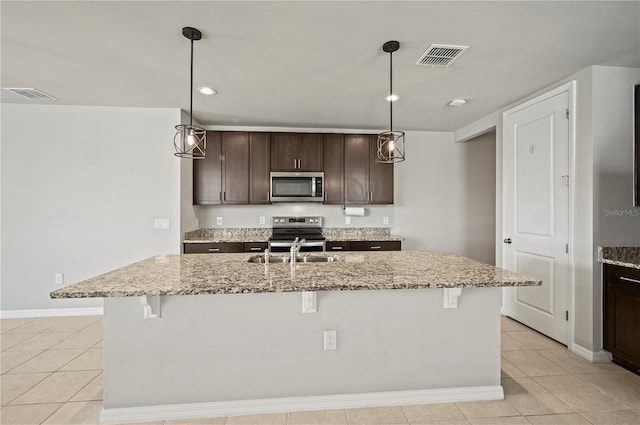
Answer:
(191, 89)
(390, 91)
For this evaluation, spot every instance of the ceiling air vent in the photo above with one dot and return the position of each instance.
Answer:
(30, 93)
(441, 55)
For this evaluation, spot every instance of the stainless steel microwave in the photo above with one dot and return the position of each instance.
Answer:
(297, 186)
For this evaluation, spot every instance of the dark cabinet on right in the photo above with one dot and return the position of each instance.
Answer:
(367, 181)
(622, 315)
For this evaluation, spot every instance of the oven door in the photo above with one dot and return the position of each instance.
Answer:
(307, 246)
(297, 187)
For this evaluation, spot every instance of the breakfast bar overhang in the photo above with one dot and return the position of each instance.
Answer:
(205, 335)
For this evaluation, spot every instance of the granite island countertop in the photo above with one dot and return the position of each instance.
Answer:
(626, 256)
(195, 274)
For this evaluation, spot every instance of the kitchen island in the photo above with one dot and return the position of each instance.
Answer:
(213, 335)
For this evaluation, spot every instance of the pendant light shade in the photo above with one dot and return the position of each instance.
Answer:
(190, 140)
(390, 143)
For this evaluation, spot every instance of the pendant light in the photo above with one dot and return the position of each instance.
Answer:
(190, 140)
(391, 143)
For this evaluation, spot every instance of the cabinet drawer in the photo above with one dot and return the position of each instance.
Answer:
(375, 245)
(337, 246)
(212, 248)
(255, 246)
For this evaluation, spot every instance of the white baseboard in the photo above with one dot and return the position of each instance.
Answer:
(601, 356)
(51, 312)
(297, 404)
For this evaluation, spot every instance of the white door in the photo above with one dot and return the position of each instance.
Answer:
(536, 212)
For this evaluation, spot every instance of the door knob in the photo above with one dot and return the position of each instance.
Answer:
(508, 240)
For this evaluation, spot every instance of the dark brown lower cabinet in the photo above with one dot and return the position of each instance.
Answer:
(364, 245)
(224, 247)
(213, 247)
(622, 315)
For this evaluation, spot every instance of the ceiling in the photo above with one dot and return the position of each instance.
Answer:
(309, 64)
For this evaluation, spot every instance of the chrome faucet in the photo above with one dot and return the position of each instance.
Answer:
(295, 249)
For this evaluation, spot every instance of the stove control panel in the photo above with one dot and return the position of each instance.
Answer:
(297, 221)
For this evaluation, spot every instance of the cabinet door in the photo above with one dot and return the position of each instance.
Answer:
(260, 161)
(356, 168)
(334, 168)
(213, 247)
(622, 315)
(380, 177)
(207, 172)
(374, 245)
(310, 152)
(284, 155)
(235, 168)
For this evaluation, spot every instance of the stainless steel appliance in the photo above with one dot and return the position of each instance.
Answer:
(297, 187)
(287, 229)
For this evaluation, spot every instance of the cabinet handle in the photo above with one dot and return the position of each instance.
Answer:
(256, 248)
(295, 163)
(628, 279)
(299, 163)
(376, 247)
(268, 196)
(220, 196)
(337, 248)
(214, 249)
(224, 196)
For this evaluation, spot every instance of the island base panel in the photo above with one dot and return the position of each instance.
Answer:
(214, 348)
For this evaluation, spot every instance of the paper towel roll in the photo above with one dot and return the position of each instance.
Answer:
(358, 211)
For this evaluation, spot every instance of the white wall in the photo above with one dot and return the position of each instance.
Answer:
(445, 195)
(81, 187)
(249, 215)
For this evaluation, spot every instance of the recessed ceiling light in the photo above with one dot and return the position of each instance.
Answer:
(207, 90)
(391, 98)
(458, 101)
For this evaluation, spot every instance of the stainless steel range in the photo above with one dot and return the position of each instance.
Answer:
(287, 229)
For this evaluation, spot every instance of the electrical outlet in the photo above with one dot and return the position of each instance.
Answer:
(385, 221)
(59, 279)
(262, 219)
(330, 340)
(347, 220)
(161, 223)
(219, 221)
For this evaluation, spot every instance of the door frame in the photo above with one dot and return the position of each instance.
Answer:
(570, 89)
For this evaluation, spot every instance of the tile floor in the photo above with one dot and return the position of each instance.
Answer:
(52, 374)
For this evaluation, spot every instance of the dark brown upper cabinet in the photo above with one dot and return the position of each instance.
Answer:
(260, 162)
(297, 152)
(235, 168)
(207, 175)
(366, 180)
(334, 168)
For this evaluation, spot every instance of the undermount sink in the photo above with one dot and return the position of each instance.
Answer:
(274, 259)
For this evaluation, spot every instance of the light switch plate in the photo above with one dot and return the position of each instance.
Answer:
(347, 220)
(161, 223)
(59, 278)
(385, 221)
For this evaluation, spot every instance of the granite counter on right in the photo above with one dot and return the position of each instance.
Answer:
(621, 304)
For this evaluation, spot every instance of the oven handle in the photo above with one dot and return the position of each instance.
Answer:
(288, 244)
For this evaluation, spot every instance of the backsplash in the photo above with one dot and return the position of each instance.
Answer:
(248, 216)
(237, 234)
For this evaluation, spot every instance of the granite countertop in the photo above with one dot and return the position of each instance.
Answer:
(262, 234)
(627, 256)
(195, 274)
